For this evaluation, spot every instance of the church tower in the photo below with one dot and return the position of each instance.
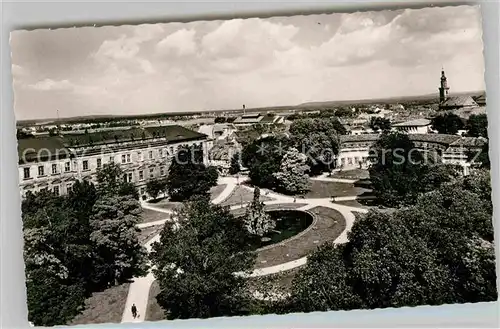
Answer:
(443, 90)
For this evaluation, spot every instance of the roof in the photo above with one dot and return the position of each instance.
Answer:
(458, 101)
(481, 100)
(52, 144)
(413, 123)
(248, 119)
(470, 142)
(268, 118)
(433, 138)
(426, 138)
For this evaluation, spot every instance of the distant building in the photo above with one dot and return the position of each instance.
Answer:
(354, 151)
(453, 102)
(54, 163)
(257, 118)
(417, 126)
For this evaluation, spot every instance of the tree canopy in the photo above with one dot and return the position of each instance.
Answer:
(448, 123)
(292, 177)
(477, 126)
(195, 261)
(378, 123)
(439, 250)
(399, 172)
(188, 176)
(74, 244)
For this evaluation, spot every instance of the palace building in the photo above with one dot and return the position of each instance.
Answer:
(451, 149)
(55, 162)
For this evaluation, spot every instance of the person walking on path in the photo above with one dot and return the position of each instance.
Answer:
(134, 311)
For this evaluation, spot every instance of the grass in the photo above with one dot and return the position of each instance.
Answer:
(352, 203)
(154, 311)
(241, 194)
(352, 174)
(329, 225)
(216, 191)
(149, 215)
(149, 232)
(322, 189)
(104, 307)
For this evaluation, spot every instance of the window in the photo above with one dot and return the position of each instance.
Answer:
(162, 171)
(141, 175)
(123, 158)
(85, 165)
(171, 150)
(129, 177)
(99, 163)
(128, 157)
(150, 154)
(67, 167)
(27, 173)
(56, 190)
(139, 156)
(68, 188)
(125, 177)
(111, 159)
(143, 190)
(151, 172)
(54, 169)
(40, 171)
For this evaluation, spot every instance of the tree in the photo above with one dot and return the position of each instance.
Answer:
(109, 178)
(378, 123)
(263, 159)
(188, 176)
(194, 263)
(318, 140)
(447, 123)
(257, 221)
(399, 172)
(343, 112)
(115, 237)
(154, 187)
(477, 126)
(292, 177)
(437, 251)
(480, 156)
(235, 164)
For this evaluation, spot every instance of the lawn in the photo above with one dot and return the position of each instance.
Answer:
(322, 189)
(104, 307)
(242, 195)
(352, 174)
(148, 233)
(329, 225)
(154, 311)
(149, 215)
(216, 190)
(352, 203)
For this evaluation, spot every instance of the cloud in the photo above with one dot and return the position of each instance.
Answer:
(49, 84)
(258, 62)
(180, 43)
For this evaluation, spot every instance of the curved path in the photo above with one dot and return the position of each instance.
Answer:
(138, 293)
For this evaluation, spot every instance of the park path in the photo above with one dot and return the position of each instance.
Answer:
(138, 293)
(325, 178)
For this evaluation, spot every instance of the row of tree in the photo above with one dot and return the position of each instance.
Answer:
(80, 243)
(450, 123)
(284, 162)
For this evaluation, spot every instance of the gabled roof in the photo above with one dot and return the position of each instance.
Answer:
(413, 123)
(460, 101)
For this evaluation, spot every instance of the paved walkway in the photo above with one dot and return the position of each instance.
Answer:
(139, 288)
(325, 178)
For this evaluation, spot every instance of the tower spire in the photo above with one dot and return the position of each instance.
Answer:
(443, 89)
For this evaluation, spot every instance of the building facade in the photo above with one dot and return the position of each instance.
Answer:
(354, 151)
(55, 163)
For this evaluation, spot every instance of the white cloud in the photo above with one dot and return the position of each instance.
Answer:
(180, 43)
(49, 84)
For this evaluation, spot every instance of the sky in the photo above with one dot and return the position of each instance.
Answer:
(216, 65)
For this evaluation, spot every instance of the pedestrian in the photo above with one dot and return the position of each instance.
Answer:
(134, 311)
(294, 199)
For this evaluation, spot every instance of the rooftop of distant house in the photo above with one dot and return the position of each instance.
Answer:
(447, 140)
(458, 101)
(413, 123)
